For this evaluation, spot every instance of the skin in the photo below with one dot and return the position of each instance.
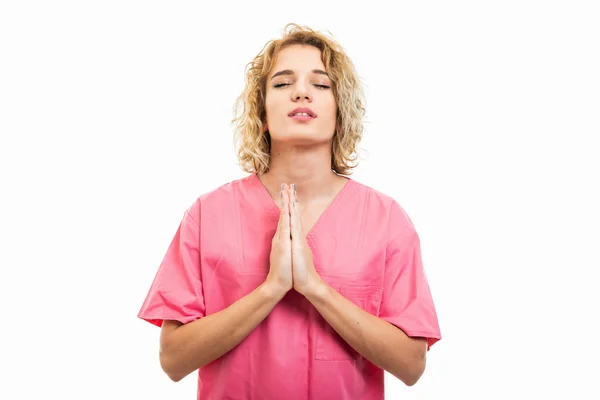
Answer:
(300, 169)
(301, 151)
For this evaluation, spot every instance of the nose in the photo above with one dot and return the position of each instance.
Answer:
(301, 93)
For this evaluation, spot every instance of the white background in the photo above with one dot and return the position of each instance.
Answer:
(483, 122)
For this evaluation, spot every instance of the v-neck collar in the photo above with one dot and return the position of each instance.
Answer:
(273, 210)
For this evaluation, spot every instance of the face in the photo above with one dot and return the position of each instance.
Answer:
(298, 81)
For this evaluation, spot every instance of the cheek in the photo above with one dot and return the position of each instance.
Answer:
(269, 108)
(333, 109)
(333, 104)
(272, 106)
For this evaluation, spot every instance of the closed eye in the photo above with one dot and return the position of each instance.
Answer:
(280, 85)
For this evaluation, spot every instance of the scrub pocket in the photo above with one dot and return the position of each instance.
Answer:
(329, 345)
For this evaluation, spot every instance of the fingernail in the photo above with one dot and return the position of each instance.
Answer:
(282, 186)
(294, 188)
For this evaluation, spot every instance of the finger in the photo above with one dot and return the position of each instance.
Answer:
(295, 222)
(282, 210)
(285, 216)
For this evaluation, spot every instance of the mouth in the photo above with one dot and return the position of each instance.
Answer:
(302, 114)
(302, 117)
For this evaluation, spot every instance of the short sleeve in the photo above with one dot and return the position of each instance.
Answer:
(407, 301)
(176, 291)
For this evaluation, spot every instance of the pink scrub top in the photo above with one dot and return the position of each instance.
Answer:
(364, 245)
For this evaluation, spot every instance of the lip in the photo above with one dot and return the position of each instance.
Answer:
(311, 113)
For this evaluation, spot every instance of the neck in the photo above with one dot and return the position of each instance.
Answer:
(308, 167)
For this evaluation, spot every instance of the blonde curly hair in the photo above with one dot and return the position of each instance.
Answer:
(253, 145)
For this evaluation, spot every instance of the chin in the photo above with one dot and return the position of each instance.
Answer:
(303, 138)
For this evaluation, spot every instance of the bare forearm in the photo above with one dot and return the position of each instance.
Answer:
(193, 345)
(378, 341)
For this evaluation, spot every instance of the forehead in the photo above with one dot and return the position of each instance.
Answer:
(299, 58)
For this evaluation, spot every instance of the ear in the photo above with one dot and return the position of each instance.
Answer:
(265, 127)
(338, 125)
(338, 129)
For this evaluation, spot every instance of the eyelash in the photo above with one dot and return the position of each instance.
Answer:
(280, 85)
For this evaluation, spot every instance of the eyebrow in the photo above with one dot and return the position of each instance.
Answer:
(290, 72)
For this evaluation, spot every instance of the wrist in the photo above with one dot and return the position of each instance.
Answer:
(273, 290)
(316, 291)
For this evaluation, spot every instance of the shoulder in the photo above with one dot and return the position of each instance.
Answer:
(377, 200)
(384, 207)
(374, 196)
(218, 198)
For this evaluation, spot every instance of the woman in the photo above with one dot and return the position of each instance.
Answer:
(295, 282)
